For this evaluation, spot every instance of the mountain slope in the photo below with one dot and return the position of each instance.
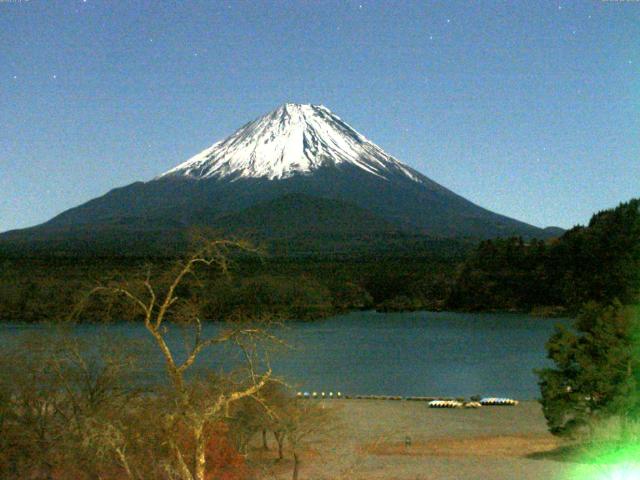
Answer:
(294, 150)
(297, 215)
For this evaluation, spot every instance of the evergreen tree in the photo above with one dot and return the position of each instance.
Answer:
(597, 370)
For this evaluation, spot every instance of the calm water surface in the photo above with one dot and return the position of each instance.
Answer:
(418, 353)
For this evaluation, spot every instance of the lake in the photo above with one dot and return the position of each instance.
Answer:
(409, 354)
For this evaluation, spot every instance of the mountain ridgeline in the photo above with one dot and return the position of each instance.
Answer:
(298, 178)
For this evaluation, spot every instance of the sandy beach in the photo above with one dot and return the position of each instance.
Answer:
(382, 439)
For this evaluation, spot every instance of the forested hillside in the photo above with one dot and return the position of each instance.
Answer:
(41, 289)
(597, 262)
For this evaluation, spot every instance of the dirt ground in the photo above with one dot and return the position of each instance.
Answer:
(383, 439)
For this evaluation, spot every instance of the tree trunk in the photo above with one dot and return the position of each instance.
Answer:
(200, 457)
(296, 464)
(183, 470)
(280, 440)
(125, 464)
(265, 446)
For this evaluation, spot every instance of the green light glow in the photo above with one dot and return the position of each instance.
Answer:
(624, 472)
(621, 463)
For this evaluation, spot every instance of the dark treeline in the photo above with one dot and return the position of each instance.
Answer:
(598, 262)
(46, 289)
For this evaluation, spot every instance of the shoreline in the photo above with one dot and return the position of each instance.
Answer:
(530, 313)
(378, 439)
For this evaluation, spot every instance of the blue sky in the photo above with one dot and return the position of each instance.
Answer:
(528, 108)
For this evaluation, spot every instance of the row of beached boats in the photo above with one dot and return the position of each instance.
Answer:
(433, 402)
(489, 401)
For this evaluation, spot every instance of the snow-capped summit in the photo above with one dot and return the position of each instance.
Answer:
(293, 139)
(299, 176)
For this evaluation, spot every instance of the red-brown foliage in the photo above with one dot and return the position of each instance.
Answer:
(223, 460)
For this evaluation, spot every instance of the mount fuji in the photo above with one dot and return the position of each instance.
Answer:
(297, 172)
(294, 139)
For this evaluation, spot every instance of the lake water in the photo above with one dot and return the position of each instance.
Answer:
(409, 354)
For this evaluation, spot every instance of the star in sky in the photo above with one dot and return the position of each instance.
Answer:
(601, 44)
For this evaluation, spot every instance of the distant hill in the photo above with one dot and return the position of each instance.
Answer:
(553, 232)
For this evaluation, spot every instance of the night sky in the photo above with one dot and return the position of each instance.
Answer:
(528, 108)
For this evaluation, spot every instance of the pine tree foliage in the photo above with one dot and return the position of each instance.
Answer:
(597, 370)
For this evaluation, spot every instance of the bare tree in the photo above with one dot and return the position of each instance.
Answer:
(305, 420)
(53, 388)
(198, 405)
(78, 413)
(276, 401)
